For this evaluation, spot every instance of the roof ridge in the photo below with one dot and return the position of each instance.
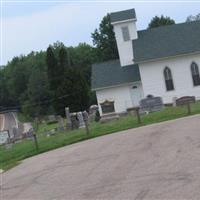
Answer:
(106, 61)
(169, 25)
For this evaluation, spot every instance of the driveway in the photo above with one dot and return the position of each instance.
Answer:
(160, 161)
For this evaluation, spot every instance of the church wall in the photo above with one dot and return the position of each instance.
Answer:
(154, 83)
(120, 95)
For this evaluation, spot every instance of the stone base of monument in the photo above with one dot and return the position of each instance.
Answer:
(109, 117)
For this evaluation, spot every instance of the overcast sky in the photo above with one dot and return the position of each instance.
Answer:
(30, 26)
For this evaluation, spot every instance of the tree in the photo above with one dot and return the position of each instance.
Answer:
(104, 40)
(160, 21)
(193, 18)
(38, 95)
(74, 92)
(51, 68)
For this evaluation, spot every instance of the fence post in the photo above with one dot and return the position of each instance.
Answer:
(35, 141)
(138, 114)
(188, 108)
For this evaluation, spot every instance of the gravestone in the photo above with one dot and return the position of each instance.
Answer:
(74, 120)
(108, 111)
(68, 117)
(16, 133)
(107, 107)
(52, 119)
(80, 120)
(151, 104)
(92, 112)
(86, 119)
(61, 124)
(185, 100)
(4, 137)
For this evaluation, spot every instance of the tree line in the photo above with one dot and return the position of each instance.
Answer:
(45, 82)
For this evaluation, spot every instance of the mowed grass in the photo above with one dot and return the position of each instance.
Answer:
(19, 151)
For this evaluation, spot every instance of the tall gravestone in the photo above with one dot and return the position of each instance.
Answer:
(69, 121)
(61, 124)
(80, 120)
(74, 121)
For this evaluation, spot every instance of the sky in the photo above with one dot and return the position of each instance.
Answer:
(32, 25)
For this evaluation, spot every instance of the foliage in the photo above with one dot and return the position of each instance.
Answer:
(160, 21)
(75, 90)
(33, 83)
(193, 18)
(104, 40)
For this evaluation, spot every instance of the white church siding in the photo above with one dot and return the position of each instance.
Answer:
(121, 95)
(153, 79)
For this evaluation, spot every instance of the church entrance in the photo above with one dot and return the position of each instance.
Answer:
(136, 94)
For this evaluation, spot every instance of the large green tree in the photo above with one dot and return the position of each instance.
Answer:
(104, 40)
(160, 21)
(52, 64)
(38, 101)
(75, 92)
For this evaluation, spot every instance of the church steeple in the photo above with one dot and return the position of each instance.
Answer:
(124, 23)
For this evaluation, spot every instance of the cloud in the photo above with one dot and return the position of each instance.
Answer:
(72, 23)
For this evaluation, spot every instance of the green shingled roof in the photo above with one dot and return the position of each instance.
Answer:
(122, 15)
(111, 73)
(167, 41)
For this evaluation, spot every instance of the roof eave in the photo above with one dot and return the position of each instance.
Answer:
(163, 58)
(113, 86)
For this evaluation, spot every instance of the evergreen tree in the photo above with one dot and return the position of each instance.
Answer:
(160, 21)
(51, 68)
(75, 92)
(38, 95)
(104, 40)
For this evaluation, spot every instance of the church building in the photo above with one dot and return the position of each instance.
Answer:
(161, 61)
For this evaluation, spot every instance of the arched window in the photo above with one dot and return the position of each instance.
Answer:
(168, 79)
(195, 74)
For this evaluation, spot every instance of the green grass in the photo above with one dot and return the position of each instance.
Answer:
(25, 149)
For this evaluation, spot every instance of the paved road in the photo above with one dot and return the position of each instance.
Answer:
(154, 162)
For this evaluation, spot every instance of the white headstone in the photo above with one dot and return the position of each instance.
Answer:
(80, 119)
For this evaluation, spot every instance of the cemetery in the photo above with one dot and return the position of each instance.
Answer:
(81, 127)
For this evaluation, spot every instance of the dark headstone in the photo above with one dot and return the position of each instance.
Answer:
(74, 120)
(107, 107)
(185, 100)
(151, 104)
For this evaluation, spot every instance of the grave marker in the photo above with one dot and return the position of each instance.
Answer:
(151, 104)
(186, 100)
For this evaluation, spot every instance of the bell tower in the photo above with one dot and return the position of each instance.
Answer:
(124, 24)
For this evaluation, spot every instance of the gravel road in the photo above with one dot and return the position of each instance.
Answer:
(160, 161)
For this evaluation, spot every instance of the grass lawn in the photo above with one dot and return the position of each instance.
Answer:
(25, 149)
